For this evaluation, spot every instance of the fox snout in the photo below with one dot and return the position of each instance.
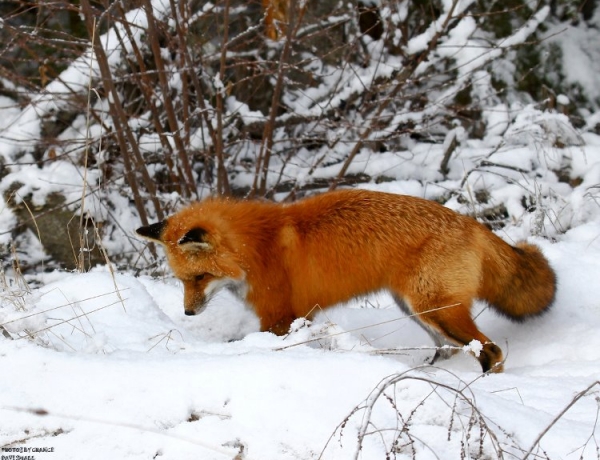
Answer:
(194, 298)
(194, 304)
(194, 308)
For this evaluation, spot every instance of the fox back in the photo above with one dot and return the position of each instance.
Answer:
(289, 260)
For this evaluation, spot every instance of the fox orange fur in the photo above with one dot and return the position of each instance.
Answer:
(288, 260)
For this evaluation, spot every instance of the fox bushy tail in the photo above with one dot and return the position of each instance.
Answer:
(519, 283)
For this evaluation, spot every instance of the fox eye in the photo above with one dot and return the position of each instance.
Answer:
(199, 277)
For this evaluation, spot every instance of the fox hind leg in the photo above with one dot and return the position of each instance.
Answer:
(450, 318)
(442, 351)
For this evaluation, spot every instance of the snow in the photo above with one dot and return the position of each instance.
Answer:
(578, 45)
(105, 364)
(451, 9)
(120, 372)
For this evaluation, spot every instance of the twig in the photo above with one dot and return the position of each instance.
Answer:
(402, 318)
(574, 401)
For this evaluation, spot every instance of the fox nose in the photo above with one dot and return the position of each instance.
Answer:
(190, 312)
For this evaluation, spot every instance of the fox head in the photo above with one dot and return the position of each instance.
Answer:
(199, 257)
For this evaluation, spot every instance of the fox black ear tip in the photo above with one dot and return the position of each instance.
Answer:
(142, 231)
(152, 231)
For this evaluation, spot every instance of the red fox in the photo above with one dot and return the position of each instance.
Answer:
(288, 260)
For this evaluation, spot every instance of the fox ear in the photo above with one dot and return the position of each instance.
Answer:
(152, 232)
(195, 240)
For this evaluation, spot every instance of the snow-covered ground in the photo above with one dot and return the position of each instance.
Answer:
(103, 365)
